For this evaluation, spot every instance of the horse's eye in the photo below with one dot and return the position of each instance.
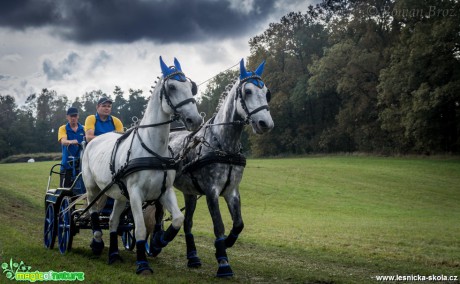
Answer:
(172, 87)
(247, 92)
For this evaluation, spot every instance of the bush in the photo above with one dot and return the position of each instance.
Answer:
(38, 157)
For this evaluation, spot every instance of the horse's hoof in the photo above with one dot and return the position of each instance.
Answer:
(154, 252)
(97, 247)
(194, 262)
(224, 271)
(114, 257)
(145, 273)
(143, 268)
(230, 241)
(155, 244)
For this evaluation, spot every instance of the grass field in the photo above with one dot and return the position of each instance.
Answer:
(307, 220)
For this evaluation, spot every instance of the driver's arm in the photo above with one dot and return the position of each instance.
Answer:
(90, 124)
(89, 135)
(62, 137)
(66, 142)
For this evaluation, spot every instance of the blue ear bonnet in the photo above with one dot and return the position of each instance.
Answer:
(246, 75)
(256, 82)
(172, 72)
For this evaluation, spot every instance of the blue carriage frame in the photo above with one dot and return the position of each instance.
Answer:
(62, 213)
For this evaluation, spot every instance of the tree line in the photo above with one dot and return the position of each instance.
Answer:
(379, 76)
(33, 127)
(375, 76)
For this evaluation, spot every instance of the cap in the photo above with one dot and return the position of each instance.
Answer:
(104, 100)
(72, 110)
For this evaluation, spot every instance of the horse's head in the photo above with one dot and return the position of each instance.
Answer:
(254, 97)
(177, 93)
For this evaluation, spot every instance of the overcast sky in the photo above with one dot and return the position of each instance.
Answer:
(74, 47)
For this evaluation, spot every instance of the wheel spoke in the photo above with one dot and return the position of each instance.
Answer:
(49, 233)
(64, 226)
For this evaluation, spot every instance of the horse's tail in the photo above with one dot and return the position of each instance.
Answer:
(82, 149)
(100, 203)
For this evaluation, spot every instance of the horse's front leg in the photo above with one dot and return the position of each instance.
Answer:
(224, 269)
(234, 206)
(114, 221)
(190, 206)
(140, 232)
(162, 238)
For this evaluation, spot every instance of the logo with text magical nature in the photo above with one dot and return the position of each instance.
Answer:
(21, 272)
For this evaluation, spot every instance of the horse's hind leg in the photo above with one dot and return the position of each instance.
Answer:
(192, 256)
(234, 206)
(114, 221)
(159, 213)
(97, 244)
(162, 238)
(224, 269)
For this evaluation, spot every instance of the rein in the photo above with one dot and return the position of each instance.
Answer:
(246, 121)
(144, 163)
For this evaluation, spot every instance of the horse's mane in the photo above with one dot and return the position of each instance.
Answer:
(224, 95)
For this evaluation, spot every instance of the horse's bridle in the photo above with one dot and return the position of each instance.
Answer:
(239, 95)
(165, 94)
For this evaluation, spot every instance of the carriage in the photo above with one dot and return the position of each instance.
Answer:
(65, 216)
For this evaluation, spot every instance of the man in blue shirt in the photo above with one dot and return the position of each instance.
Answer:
(70, 135)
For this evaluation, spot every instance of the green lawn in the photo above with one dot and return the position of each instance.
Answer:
(316, 220)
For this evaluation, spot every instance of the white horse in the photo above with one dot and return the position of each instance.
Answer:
(140, 164)
(215, 168)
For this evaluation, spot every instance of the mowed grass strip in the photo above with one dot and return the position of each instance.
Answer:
(317, 219)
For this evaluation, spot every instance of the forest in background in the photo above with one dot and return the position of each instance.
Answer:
(379, 77)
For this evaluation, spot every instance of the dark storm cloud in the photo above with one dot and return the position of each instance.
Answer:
(88, 21)
(20, 14)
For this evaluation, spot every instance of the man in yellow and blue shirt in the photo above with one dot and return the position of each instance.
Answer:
(102, 122)
(70, 135)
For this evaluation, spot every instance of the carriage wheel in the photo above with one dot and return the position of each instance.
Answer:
(49, 231)
(129, 241)
(65, 235)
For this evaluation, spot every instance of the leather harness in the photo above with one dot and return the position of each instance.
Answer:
(219, 155)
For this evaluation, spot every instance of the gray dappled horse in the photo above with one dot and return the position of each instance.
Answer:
(215, 167)
(137, 166)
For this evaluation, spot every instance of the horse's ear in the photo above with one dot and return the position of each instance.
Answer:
(243, 72)
(164, 68)
(177, 64)
(260, 69)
